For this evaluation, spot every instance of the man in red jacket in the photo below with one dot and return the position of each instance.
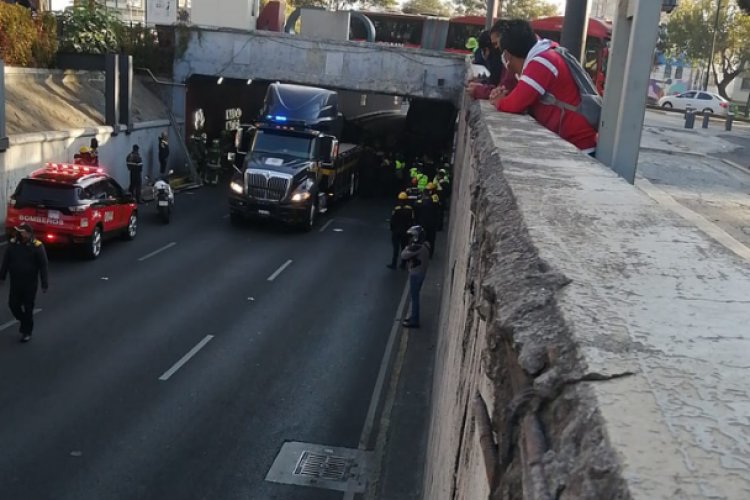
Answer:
(539, 70)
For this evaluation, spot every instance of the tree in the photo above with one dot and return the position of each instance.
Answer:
(437, 7)
(528, 9)
(687, 32)
(90, 29)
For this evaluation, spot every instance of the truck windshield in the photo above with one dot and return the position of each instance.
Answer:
(299, 146)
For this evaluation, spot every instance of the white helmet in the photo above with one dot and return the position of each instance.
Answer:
(416, 233)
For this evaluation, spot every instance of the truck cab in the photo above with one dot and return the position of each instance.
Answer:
(295, 166)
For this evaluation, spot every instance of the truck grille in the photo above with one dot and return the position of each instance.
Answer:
(271, 188)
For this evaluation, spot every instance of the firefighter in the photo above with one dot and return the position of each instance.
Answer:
(163, 153)
(417, 255)
(94, 152)
(402, 218)
(26, 261)
(83, 157)
(135, 167)
(428, 215)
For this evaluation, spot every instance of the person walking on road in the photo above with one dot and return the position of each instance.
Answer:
(163, 153)
(402, 218)
(26, 261)
(417, 255)
(135, 167)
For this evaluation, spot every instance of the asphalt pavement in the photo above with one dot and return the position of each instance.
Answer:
(176, 365)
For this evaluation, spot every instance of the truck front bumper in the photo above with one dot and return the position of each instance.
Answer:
(291, 213)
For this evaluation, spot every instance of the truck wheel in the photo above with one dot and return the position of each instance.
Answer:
(312, 215)
(93, 246)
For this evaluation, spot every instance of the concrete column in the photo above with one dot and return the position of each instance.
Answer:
(614, 84)
(111, 91)
(575, 27)
(492, 8)
(644, 31)
(3, 137)
(126, 91)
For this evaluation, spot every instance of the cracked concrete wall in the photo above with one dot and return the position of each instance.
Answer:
(604, 333)
(348, 65)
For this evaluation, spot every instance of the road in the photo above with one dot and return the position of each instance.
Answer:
(287, 332)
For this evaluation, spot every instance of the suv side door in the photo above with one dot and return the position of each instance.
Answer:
(105, 203)
(121, 204)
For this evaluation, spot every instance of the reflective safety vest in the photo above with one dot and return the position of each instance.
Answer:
(400, 165)
(422, 181)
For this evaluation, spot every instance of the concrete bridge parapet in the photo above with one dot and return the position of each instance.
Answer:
(592, 344)
(358, 66)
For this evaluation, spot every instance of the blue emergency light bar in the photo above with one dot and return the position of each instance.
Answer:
(277, 118)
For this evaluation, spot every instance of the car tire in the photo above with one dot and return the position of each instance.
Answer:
(667, 105)
(93, 246)
(708, 111)
(131, 230)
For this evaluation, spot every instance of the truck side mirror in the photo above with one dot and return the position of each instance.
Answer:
(329, 147)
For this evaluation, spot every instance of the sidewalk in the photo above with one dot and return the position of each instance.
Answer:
(402, 439)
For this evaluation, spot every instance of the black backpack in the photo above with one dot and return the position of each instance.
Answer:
(590, 106)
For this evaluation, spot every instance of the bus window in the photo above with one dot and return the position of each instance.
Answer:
(397, 31)
(459, 33)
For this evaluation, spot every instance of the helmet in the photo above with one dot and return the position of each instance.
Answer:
(83, 150)
(430, 186)
(403, 196)
(416, 233)
(442, 171)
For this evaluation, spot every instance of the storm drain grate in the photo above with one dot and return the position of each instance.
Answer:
(327, 467)
(305, 464)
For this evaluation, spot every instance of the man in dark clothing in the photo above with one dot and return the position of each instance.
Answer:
(402, 218)
(428, 215)
(135, 167)
(94, 152)
(417, 254)
(26, 261)
(163, 153)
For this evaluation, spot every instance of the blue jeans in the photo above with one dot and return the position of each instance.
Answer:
(415, 286)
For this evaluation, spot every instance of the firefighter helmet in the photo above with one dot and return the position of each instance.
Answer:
(403, 196)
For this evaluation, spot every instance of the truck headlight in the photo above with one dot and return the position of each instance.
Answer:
(301, 196)
(237, 187)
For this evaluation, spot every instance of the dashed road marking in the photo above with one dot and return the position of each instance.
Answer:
(280, 270)
(9, 324)
(326, 225)
(157, 252)
(165, 376)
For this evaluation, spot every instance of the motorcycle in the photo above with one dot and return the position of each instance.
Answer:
(161, 192)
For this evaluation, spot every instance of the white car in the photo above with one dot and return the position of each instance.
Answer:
(702, 102)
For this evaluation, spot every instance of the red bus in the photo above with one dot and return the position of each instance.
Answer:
(597, 43)
(417, 31)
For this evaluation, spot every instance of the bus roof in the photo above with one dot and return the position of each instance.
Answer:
(598, 28)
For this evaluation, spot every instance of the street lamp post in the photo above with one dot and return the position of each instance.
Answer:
(713, 46)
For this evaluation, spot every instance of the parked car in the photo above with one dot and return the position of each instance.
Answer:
(703, 102)
(73, 204)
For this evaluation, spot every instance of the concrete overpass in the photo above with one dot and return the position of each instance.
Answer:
(358, 66)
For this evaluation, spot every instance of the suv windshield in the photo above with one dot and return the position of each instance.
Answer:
(30, 192)
(299, 146)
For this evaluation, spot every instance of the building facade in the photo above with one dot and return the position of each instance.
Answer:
(603, 8)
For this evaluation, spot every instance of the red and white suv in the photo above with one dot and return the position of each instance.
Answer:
(73, 204)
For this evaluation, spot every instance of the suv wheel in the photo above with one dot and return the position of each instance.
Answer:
(667, 105)
(132, 229)
(93, 246)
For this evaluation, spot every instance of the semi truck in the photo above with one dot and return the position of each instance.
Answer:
(296, 167)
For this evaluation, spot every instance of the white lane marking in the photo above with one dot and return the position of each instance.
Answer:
(280, 270)
(157, 252)
(384, 370)
(325, 226)
(7, 325)
(186, 358)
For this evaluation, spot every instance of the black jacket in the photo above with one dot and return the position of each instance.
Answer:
(163, 150)
(402, 218)
(135, 163)
(26, 263)
(428, 212)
